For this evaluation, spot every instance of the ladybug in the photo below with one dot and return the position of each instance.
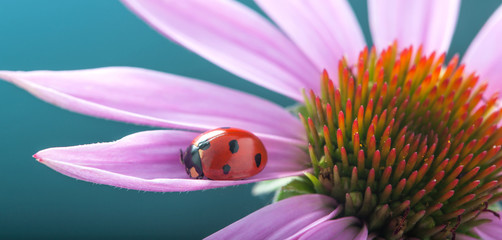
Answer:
(224, 154)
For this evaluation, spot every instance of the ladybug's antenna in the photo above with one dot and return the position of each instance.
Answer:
(181, 156)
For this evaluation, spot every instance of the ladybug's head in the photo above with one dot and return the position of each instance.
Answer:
(191, 160)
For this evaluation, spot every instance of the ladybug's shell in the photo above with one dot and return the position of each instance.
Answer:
(232, 154)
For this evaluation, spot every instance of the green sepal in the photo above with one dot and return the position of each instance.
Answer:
(298, 108)
(317, 185)
(298, 186)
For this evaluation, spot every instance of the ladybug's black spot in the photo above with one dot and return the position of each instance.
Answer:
(234, 146)
(257, 159)
(226, 169)
(204, 145)
(224, 127)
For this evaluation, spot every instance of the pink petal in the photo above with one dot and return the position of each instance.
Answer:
(333, 214)
(460, 236)
(427, 22)
(345, 228)
(363, 234)
(324, 30)
(491, 230)
(159, 99)
(149, 161)
(485, 54)
(233, 37)
(279, 220)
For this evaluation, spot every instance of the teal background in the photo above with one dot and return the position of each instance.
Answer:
(36, 201)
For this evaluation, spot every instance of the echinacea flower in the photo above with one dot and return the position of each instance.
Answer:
(399, 144)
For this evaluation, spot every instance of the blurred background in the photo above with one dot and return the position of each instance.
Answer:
(37, 202)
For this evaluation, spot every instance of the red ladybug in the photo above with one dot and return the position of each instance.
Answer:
(224, 154)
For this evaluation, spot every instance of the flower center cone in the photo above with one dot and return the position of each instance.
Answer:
(405, 143)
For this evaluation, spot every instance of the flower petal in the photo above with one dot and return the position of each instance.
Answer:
(235, 38)
(484, 55)
(324, 30)
(332, 215)
(342, 228)
(491, 230)
(427, 22)
(460, 236)
(279, 220)
(159, 99)
(149, 161)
